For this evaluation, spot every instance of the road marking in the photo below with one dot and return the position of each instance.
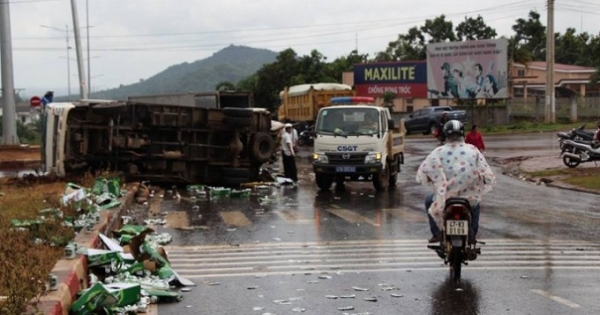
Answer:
(177, 220)
(293, 217)
(152, 309)
(200, 275)
(406, 214)
(352, 217)
(557, 299)
(566, 244)
(235, 218)
(335, 206)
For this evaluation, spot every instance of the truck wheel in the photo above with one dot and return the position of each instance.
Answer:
(324, 181)
(381, 181)
(263, 147)
(237, 112)
(237, 121)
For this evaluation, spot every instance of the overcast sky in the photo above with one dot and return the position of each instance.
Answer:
(134, 39)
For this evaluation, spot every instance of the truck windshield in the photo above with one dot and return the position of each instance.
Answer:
(348, 121)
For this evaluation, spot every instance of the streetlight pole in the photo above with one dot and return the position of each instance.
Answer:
(87, 21)
(83, 91)
(68, 65)
(68, 56)
(9, 121)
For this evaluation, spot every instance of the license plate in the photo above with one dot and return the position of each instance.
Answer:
(345, 169)
(454, 227)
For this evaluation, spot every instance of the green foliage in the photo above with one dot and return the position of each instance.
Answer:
(230, 64)
(28, 134)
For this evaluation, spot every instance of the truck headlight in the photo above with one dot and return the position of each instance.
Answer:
(320, 158)
(373, 158)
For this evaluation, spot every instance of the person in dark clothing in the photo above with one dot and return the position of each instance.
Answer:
(440, 128)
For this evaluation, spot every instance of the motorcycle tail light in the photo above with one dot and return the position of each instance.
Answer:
(456, 216)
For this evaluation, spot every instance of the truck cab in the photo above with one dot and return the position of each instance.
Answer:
(357, 141)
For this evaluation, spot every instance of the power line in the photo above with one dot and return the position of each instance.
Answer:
(247, 41)
(211, 47)
(495, 9)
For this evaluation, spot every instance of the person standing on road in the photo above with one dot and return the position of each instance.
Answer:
(455, 169)
(440, 129)
(475, 138)
(288, 154)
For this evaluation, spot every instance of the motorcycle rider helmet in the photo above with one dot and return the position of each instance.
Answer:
(454, 128)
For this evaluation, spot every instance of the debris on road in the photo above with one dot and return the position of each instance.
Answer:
(132, 272)
(359, 289)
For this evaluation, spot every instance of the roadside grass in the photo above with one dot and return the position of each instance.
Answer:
(26, 258)
(590, 182)
(523, 127)
(586, 177)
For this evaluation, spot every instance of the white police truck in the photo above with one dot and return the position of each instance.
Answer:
(357, 140)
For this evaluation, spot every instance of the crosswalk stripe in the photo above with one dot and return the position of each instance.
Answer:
(293, 217)
(383, 242)
(365, 256)
(235, 218)
(406, 214)
(352, 216)
(421, 269)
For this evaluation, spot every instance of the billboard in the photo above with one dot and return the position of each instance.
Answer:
(468, 70)
(405, 79)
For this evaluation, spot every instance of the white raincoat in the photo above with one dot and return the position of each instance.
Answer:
(455, 169)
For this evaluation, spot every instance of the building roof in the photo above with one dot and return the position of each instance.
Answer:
(558, 67)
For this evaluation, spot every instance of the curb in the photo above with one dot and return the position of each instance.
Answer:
(72, 273)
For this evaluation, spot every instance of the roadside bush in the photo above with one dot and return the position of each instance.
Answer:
(25, 267)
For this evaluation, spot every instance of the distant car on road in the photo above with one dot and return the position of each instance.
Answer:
(425, 120)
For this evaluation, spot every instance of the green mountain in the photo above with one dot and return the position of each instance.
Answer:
(231, 64)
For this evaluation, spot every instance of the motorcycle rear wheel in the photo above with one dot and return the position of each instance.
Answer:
(456, 264)
(571, 163)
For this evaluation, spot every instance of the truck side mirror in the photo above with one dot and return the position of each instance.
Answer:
(391, 124)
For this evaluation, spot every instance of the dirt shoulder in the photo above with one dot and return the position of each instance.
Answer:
(19, 157)
(550, 171)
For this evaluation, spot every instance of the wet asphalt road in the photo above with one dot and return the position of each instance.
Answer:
(541, 256)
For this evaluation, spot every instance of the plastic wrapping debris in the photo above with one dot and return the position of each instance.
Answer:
(238, 194)
(360, 289)
(346, 308)
(155, 222)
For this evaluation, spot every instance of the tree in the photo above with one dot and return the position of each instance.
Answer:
(388, 99)
(531, 35)
(438, 30)
(336, 68)
(225, 86)
(474, 29)
(273, 78)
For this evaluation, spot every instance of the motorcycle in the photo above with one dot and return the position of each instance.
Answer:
(576, 134)
(575, 153)
(306, 137)
(456, 248)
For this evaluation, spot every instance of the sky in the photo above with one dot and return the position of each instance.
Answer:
(135, 39)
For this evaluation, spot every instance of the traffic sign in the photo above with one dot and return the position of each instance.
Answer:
(35, 101)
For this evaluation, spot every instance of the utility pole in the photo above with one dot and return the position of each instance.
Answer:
(89, 61)
(550, 100)
(83, 91)
(9, 120)
(68, 65)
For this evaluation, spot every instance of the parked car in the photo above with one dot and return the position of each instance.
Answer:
(425, 120)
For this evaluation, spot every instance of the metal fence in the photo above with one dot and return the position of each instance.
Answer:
(588, 108)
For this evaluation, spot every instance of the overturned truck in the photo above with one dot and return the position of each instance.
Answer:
(161, 139)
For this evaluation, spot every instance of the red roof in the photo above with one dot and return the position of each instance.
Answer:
(559, 66)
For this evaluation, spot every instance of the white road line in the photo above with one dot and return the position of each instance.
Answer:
(352, 216)
(271, 261)
(235, 218)
(368, 265)
(557, 299)
(293, 217)
(422, 245)
(369, 253)
(342, 271)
